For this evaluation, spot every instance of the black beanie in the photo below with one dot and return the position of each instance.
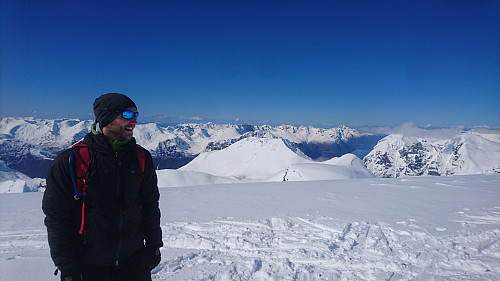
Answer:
(108, 106)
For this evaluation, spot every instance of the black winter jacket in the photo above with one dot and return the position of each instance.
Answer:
(120, 215)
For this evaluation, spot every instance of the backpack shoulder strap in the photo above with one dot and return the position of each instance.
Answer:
(80, 156)
(141, 156)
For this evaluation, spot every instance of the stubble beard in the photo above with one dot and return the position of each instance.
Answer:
(118, 133)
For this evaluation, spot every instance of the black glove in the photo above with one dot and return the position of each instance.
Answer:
(71, 272)
(154, 257)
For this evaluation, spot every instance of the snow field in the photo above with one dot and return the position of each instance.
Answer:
(420, 228)
(325, 249)
(426, 228)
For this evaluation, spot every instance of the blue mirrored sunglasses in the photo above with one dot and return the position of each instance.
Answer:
(127, 114)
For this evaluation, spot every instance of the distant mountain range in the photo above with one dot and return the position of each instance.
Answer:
(28, 145)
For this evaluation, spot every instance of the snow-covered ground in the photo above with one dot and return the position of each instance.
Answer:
(12, 181)
(413, 228)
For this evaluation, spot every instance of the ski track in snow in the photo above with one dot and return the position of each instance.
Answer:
(443, 228)
(13, 242)
(324, 249)
(23, 254)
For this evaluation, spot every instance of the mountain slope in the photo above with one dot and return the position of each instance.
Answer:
(252, 158)
(467, 153)
(261, 159)
(12, 181)
(29, 145)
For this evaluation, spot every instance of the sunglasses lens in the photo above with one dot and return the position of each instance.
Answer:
(129, 114)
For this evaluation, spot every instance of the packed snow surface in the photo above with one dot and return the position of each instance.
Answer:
(417, 228)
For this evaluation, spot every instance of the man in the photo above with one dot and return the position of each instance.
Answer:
(118, 215)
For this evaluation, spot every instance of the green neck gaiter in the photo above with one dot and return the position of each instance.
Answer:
(115, 144)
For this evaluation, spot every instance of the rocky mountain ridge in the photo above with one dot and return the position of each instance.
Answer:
(28, 144)
(466, 153)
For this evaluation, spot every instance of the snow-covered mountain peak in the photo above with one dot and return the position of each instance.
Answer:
(268, 159)
(249, 157)
(465, 153)
(43, 132)
(346, 159)
(149, 135)
(309, 134)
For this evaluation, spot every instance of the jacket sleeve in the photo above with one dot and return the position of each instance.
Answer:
(60, 210)
(150, 197)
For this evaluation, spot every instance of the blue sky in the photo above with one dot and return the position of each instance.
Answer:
(326, 63)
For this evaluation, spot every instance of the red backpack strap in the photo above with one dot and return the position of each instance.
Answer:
(81, 157)
(141, 156)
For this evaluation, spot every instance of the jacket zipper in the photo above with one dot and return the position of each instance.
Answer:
(122, 213)
(120, 240)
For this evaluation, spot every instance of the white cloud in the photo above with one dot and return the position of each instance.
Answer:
(194, 118)
(411, 130)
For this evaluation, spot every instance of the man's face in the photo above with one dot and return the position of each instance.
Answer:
(121, 129)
